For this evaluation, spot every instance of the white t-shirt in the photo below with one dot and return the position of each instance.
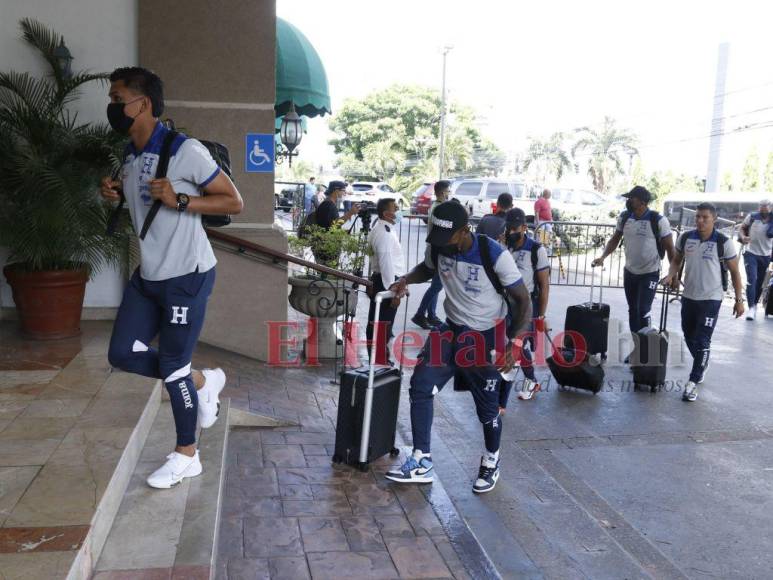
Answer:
(471, 299)
(641, 250)
(702, 274)
(522, 257)
(760, 244)
(176, 243)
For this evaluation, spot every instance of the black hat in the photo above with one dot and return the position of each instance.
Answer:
(515, 218)
(447, 218)
(639, 192)
(334, 185)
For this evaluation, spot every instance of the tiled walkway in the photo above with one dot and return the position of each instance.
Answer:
(288, 512)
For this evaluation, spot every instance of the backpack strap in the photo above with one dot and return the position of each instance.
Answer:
(161, 169)
(488, 265)
(112, 221)
(535, 246)
(433, 255)
(681, 242)
(625, 216)
(655, 223)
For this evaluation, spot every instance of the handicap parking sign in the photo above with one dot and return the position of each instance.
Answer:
(259, 153)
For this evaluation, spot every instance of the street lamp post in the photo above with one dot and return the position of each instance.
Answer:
(62, 54)
(441, 149)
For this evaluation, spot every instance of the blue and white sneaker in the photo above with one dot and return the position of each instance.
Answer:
(690, 392)
(413, 471)
(488, 475)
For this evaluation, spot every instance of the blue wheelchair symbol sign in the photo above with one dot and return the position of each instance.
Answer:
(259, 153)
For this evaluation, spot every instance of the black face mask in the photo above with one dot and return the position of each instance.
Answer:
(629, 205)
(513, 238)
(449, 250)
(119, 121)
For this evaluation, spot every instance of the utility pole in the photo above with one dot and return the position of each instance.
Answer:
(717, 120)
(441, 149)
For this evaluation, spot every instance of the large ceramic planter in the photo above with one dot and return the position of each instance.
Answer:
(49, 303)
(324, 300)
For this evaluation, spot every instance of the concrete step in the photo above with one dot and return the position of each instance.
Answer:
(93, 424)
(172, 532)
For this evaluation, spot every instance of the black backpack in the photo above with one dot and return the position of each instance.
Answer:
(654, 219)
(309, 221)
(222, 158)
(721, 239)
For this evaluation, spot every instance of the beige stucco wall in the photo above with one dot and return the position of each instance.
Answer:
(217, 63)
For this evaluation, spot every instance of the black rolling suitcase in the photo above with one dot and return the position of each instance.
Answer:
(572, 367)
(591, 320)
(649, 359)
(367, 410)
(767, 294)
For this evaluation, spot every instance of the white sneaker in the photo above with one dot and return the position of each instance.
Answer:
(690, 392)
(751, 314)
(209, 400)
(176, 468)
(529, 389)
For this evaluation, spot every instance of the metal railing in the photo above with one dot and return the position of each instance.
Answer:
(332, 293)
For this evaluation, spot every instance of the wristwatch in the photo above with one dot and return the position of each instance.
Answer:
(182, 202)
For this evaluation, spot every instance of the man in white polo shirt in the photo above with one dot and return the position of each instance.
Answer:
(705, 253)
(648, 239)
(167, 295)
(757, 235)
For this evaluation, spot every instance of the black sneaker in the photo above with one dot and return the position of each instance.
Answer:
(421, 321)
(434, 321)
(487, 478)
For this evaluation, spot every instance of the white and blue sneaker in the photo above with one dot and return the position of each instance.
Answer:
(209, 397)
(690, 392)
(416, 469)
(488, 475)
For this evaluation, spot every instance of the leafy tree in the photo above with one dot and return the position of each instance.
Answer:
(727, 182)
(605, 146)
(768, 183)
(750, 180)
(300, 171)
(548, 158)
(393, 134)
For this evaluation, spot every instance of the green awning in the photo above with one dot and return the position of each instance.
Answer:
(300, 76)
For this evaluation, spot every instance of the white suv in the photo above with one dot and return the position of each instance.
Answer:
(367, 193)
(479, 196)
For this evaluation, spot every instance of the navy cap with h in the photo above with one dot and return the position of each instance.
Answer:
(446, 219)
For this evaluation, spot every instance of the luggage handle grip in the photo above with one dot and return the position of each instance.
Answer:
(368, 405)
(593, 286)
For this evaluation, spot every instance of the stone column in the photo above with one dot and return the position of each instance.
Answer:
(217, 63)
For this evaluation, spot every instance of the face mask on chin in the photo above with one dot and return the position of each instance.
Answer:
(629, 205)
(449, 250)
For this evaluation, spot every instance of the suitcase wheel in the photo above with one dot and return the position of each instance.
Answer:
(362, 466)
(394, 452)
(337, 459)
(655, 388)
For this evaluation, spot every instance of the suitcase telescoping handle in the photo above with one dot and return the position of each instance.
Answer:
(664, 308)
(593, 286)
(368, 409)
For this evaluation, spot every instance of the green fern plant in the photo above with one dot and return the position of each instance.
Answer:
(51, 214)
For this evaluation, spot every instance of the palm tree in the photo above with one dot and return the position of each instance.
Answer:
(51, 217)
(605, 146)
(549, 157)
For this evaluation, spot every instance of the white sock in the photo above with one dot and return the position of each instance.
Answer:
(490, 458)
(418, 454)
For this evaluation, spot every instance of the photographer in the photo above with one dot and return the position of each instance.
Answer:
(327, 215)
(386, 265)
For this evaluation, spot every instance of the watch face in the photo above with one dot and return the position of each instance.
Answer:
(184, 198)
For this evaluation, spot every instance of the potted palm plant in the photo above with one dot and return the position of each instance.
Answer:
(52, 220)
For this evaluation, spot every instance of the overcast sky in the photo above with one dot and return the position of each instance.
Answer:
(531, 68)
